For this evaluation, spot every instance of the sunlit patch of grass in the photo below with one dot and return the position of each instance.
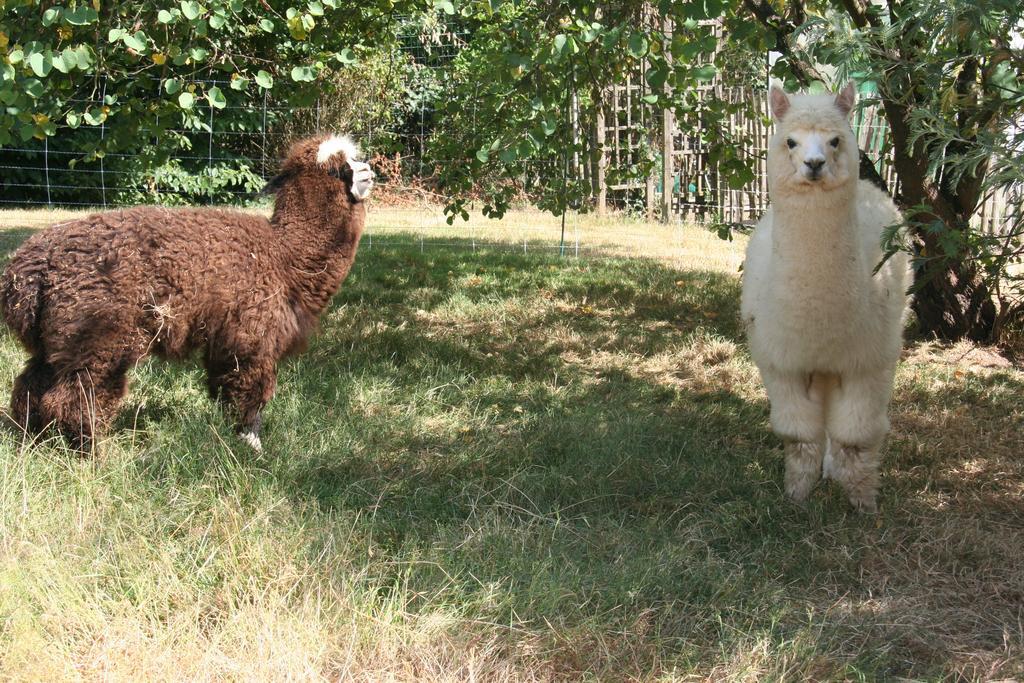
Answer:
(504, 466)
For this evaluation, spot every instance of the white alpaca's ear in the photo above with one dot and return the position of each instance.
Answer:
(779, 102)
(846, 98)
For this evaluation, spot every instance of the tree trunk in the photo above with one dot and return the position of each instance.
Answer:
(954, 303)
(952, 300)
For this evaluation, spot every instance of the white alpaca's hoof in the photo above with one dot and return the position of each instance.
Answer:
(865, 504)
(856, 470)
(253, 440)
(803, 469)
(362, 179)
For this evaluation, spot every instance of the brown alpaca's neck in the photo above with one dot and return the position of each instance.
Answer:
(317, 247)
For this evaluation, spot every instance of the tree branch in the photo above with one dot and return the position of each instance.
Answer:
(782, 28)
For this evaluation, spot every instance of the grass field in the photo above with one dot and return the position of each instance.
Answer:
(497, 465)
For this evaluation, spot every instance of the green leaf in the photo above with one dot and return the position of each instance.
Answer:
(51, 16)
(34, 87)
(164, 17)
(192, 10)
(60, 65)
(138, 42)
(199, 54)
(483, 154)
(637, 45)
(303, 74)
(316, 9)
(216, 98)
(93, 119)
(239, 83)
(264, 80)
(560, 41)
(346, 56)
(81, 15)
(83, 57)
(591, 33)
(705, 73)
(73, 119)
(267, 25)
(41, 63)
(172, 85)
(186, 100)
(445, 6)
(656, 76)
(115, 34)
(217, 21)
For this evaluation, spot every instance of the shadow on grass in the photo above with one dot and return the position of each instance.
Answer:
(586, 440)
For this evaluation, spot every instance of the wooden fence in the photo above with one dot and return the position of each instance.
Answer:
(631, 130)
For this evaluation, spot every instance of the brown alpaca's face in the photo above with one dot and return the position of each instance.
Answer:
(339, 157)
(334, 161)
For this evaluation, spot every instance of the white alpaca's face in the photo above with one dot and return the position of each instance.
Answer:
(816, 157)
(814, 147)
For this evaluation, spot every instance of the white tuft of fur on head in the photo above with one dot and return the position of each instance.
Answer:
(335, 144)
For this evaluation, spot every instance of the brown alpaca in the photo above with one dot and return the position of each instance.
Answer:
(90, 298)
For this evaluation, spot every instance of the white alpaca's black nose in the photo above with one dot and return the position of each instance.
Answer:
(814, 164)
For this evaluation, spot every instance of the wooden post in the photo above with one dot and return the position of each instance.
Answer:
(601, 161)
(652, 201)
(667, 126)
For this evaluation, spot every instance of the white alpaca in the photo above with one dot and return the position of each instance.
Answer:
(824, 332)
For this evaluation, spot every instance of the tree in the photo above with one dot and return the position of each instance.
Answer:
(149, 72)
(530, 65)
(949, 84)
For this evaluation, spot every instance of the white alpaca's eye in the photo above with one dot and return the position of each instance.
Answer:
(791, 143)
(834, 141)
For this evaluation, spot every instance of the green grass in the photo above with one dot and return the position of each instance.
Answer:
(499, 466)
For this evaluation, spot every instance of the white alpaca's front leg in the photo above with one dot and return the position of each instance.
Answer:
(857, 425)
(798, 416)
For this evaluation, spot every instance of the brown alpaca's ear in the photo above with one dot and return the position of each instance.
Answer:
(276, 183)
(779, 102)
(846, 98)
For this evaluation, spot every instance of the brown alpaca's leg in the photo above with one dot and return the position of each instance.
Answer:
(29, 387)
(244, 387)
